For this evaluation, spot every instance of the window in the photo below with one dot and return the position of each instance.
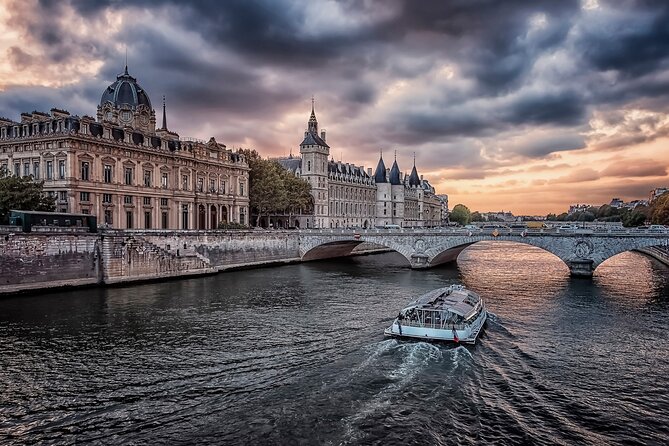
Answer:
(17, 169)
(242, 217)
(86, 212)
(212, 185)
(147, 178)
(26, 169)
(108, 216)
(241, 188)
(308, 166)
(106, 198)
(127, 199)
(184, 182)
(61, 169)
(84, 196)
(147, 220)
(85, 167)
(163, 201)
(163, 180)
(128, 219)
(200, 184)
(49, 170)
(128, 175)
(184, 217)
(62, 195)
(36, 170)
(147, 201)
(107, 173)
(222, 186)
(164, 220)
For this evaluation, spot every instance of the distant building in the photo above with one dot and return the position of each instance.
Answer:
(617, 203)
(346, 195)
(574, 208)
(657, 192)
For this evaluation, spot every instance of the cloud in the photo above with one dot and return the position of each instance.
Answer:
(475, 89)
(635, 168)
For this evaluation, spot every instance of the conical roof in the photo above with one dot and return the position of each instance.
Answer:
(380, 174)
(414, 179)
(395, 174)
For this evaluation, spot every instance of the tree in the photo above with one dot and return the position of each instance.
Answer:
(476, 216)
(22, 193)
(660, 213)
(460, 214)
(274, 190)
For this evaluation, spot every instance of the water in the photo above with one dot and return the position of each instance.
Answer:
(295, 355)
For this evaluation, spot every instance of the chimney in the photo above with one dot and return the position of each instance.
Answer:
(323, 134)
(421, 177)
(369, 171)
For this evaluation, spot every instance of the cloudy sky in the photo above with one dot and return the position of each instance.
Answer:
(525, 106)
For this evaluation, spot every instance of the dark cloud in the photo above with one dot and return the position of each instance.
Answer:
(527, 76)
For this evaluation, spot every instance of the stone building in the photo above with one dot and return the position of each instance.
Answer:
(346, 195)
(124, 170)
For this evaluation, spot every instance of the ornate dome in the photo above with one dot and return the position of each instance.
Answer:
(125, 91)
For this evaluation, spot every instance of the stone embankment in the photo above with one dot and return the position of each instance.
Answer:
(47, 260)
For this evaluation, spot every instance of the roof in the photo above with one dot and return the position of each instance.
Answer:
(311, 139)
(456, 299)
(346, 169)
(380, 174)
(414, 180)
(292, 164)
(395, 174)
(125, 90)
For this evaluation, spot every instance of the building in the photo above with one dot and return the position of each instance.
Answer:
(657, 192)
(346, 195)
(123, 169)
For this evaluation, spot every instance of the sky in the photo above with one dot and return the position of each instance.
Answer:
(522, 106)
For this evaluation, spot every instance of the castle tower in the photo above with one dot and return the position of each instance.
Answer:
(384, 205)
(315, 153)
(397, 194)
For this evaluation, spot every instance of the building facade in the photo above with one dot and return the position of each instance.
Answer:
(346, 195)
(124, 170)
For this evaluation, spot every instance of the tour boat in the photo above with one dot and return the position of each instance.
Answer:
(452, 313)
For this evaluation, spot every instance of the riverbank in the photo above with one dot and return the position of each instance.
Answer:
(34, 262)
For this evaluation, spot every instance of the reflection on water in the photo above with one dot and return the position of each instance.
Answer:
(296, 354)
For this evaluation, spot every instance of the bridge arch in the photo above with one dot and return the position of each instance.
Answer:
(582, 253)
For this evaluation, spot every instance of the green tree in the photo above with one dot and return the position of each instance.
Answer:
(22, 193)
(633, 218)
(460, 214)
(274, 190)
(476, 216)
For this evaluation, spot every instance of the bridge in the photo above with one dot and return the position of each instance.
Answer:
(582, 250)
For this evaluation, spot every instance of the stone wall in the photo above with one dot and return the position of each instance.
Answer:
(41, 261)
(46, 260)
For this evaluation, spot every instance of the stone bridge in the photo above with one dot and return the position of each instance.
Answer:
(581, 250)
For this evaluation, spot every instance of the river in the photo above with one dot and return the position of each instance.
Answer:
(295, 355)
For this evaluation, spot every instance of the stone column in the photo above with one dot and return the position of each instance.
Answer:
(581, 267)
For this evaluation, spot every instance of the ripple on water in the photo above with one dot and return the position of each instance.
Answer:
(296, 355)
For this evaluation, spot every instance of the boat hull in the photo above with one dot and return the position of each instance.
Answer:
(467, 335)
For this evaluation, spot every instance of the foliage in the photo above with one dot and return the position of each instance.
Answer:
(274, 190)
(22, 193)
(231, 225)
(660, 210)
(460, 214)
(476, 216)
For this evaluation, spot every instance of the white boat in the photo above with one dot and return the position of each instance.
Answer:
(452, 313)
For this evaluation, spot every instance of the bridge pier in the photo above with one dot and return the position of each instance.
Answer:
(419, 261)
(581, 268)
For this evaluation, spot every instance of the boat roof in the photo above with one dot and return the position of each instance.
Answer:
(455, 298)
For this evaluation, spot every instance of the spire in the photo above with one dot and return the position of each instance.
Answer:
(126, 61)
(414, 179)
(164, 115)
(312, 126)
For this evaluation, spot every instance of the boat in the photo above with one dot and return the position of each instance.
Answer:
(453, 313)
